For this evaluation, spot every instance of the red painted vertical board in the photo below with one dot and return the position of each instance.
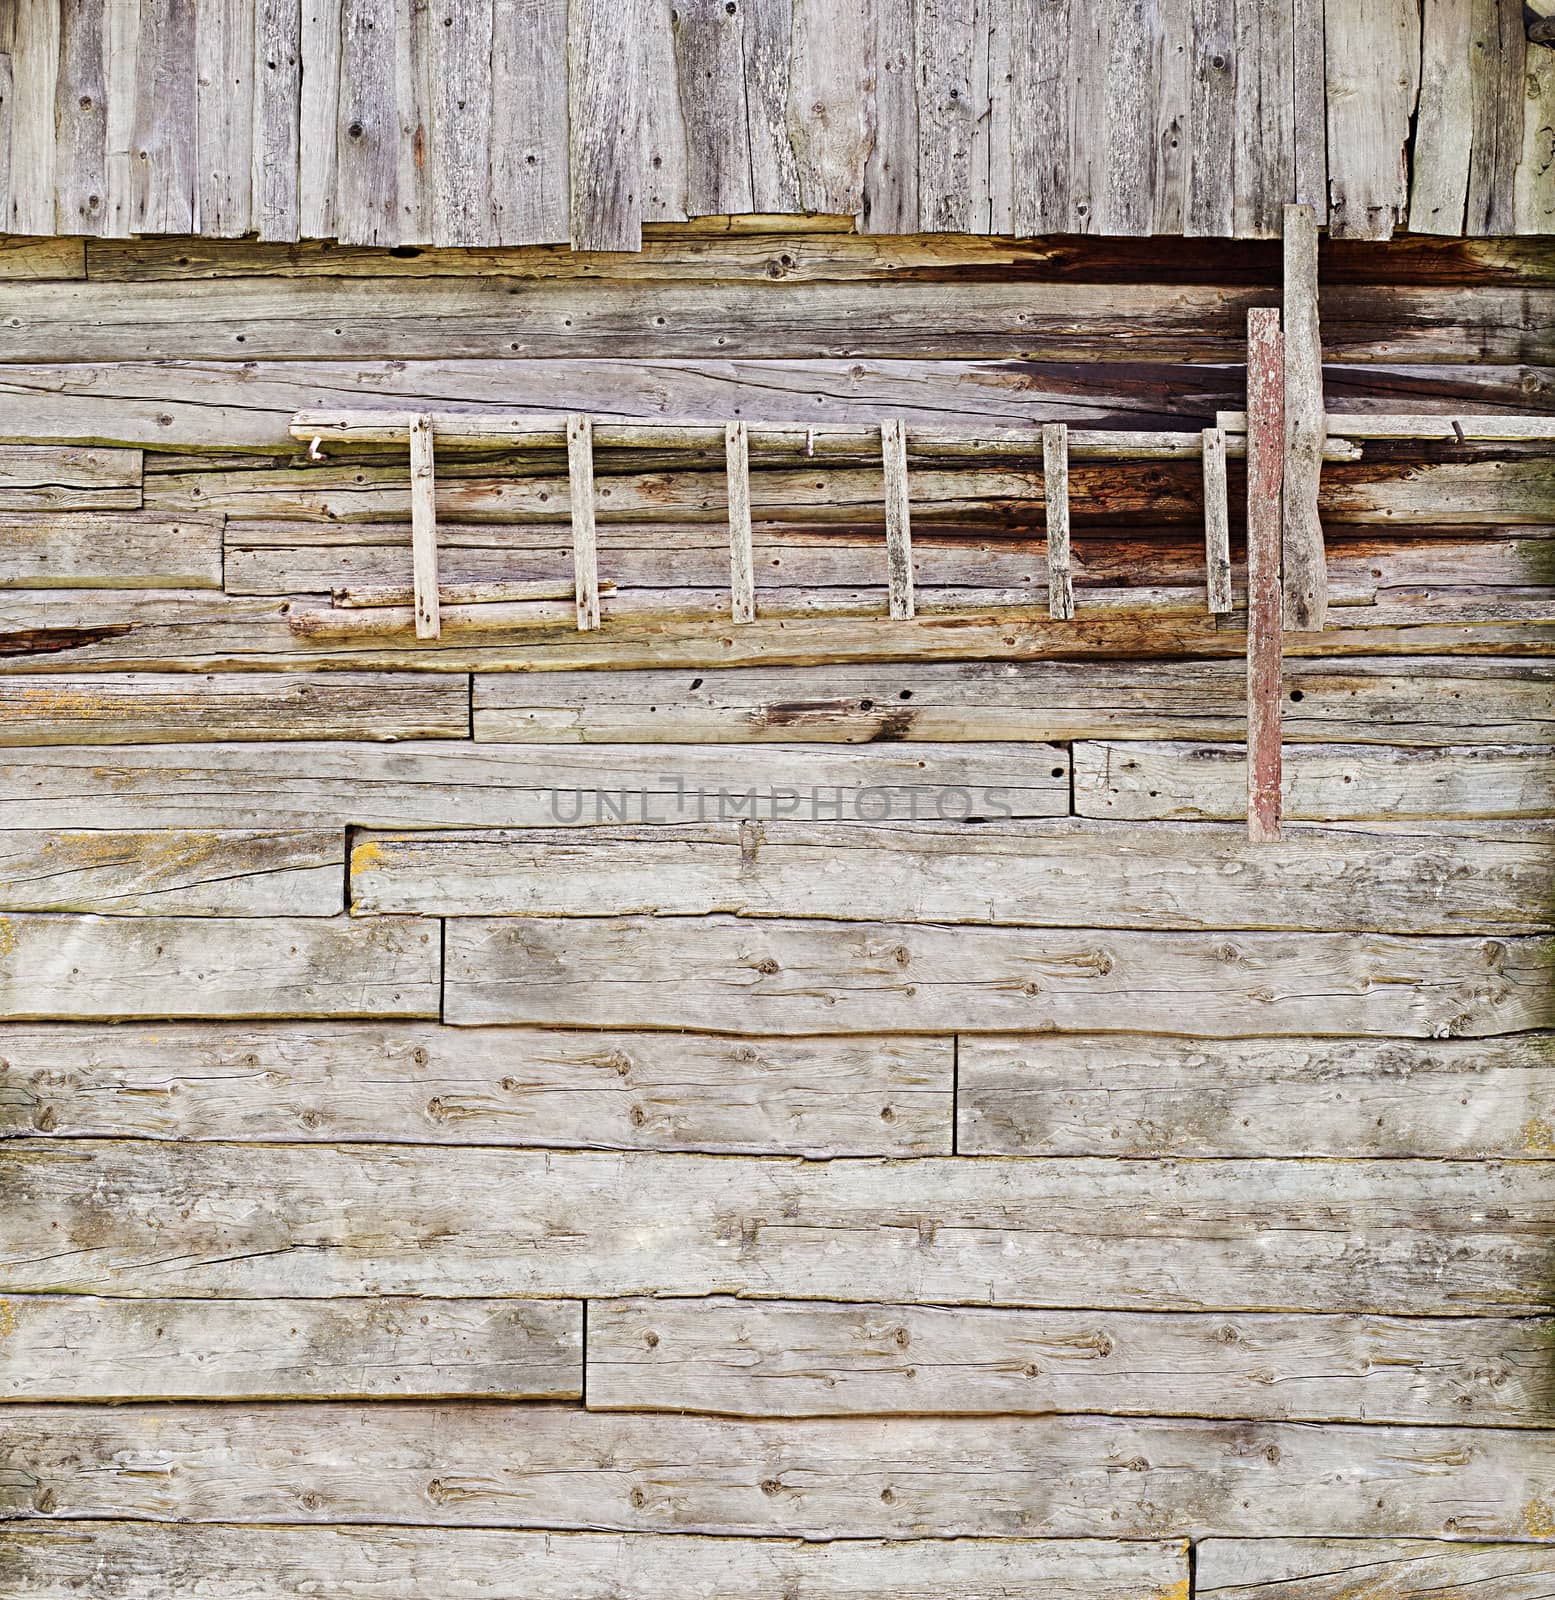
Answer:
(1265, 475)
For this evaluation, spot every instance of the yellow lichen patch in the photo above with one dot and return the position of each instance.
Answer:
(1178, 1591)
(7, 937)
(1539, 1519)
(7, 1319)
(1539, 1136)
(366, 855)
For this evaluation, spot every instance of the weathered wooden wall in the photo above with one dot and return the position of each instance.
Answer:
(495, 122)
(824, 1106)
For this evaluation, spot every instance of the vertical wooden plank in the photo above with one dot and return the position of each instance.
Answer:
(898, 518)
(1217, 523)
(1444, 125)
(423, 529)
(1373, 54)
(368, 126)
(1498, 48)
(1310, 93)
(1265, 137)
(828, 89)
(710, 69)
(318, 118)
(529, 121)
(1265, 447)
(277, 108)
(1303, 564)
(585, 545)
(1211, 118)
(663, 139)
(1088, 59)
(81, 122)
(1055, 499)
(163, 178)
(121, 36)
(891, 172)
(604, 105)
(413, 117)
(224, 117)
(1533, 197)
(1039, 116)
(1174, 81)
(35, 66)
(766, 30)
(951, 48)
(459, 137)
(1133, 40)
(742, 579)
(6, 99)
(991, 149)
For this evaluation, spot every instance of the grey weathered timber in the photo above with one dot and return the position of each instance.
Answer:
(179, 872)
(1322, 782)
(80, 1347)
(898, 520)
(581, 498)
(224, 109)
(1017, 1479)
(491, 317)
(277, 107)
(794, 977)
(319, 117)
(1263, 141)
(40, 477)
(423, 529)
(1212, 117)
(169, 708)
(1310, 92)
(1533, 195)
(1055, 511)
(1359, 700)
(951, 39)
(164, 189)
(451, 784)
(1498, 49)
(1236, 1569)
(1374, 76)
(1444, 127)
(366, 133)
(109, 967)
(80, 121)
(130, 1561)
(890, 180)
(110, 550)
(1217, 523)
(121, 52)
(1304, 568)
(1155, 875)
(755, 1359)
(1265, 478)
(742, 582)
(604, 104)
(149, 1218)
(529, 159)
(1134, 1096)
(410, 1083)
(460, 132)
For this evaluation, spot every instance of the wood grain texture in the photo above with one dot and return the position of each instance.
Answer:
(795, 977)
(1409, 1569)
(110, 967)
(766, 1359)
(1265, 482)
(411, 1083)
(1304, 568)
(1322, 783)
(1444, 127)
(181, 872)
(1055, 520)
(164, 188)
(134, 1218)
(604, 104)
(106, 550)
(40, 477)
(742, 582)
(277, 114)
(898, 520)
(130, 1561)
(1015, 1479)
(1161, 875)
(225, 114)
(449, 784)
(82, 1348)
(169, 708)
(1319, 1097)
(1374, 78)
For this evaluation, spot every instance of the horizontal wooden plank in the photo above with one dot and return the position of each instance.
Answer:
(494, 315)
(23, 257)
(151, 1218)
(131, 1561)
(993, 871)
(793, 977)
(1400, 702)
(46, 477)
(1142, 780)
(125, 550)
(178, 872)
(447, 784)
(167, 708)
(1128, 1096)
(426, 1084)
(766, 1359)
(1410, 1569)
(82, 1347)
(109, 967)
(897, 1478)
(249, 404)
